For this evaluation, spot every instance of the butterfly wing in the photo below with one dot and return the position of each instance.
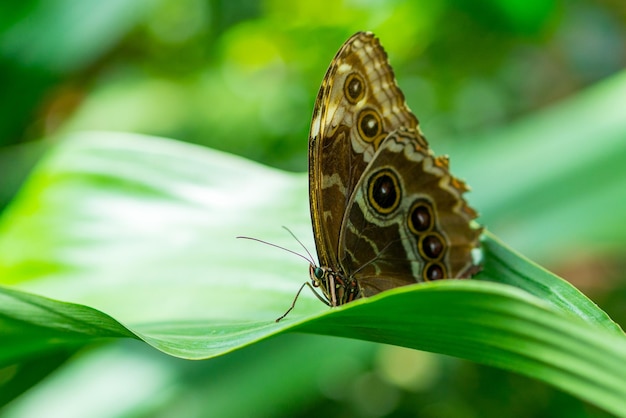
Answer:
(358, 105)
(407, 220)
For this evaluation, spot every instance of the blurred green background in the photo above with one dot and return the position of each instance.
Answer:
(242, 76)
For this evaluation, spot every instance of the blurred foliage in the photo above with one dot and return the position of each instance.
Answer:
(241, 76)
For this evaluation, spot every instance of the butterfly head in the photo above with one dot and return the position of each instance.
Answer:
(335, 286)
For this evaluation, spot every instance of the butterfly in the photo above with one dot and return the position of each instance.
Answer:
(386, 212)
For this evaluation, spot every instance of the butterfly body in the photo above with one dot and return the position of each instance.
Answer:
(386, 212)
(337, 288)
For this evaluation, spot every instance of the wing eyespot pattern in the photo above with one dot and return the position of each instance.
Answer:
(354, 88)
(384, 192)
(431, 244)
(369, 125)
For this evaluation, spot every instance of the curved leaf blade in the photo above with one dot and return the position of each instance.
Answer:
(152, 245)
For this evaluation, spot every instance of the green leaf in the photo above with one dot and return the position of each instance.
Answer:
(143, 229)
(506, 266)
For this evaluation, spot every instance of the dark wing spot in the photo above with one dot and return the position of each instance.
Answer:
(432, 246)
(384, 191)
(434, 271)
(369, 125)
(420, 217)
(354, 88)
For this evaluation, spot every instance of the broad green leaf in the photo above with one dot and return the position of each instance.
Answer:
(506, 266)
(140, 233)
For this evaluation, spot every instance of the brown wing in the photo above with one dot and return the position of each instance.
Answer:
(407, 219)
(358, 105)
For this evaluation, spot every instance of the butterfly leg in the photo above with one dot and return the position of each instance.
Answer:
(293, 304)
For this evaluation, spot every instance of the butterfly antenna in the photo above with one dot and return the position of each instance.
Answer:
(311, 259)
(277, 246)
